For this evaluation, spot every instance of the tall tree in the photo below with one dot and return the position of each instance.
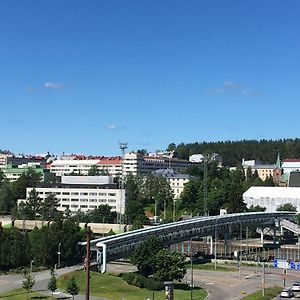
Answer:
(48, 208)
(33, 205)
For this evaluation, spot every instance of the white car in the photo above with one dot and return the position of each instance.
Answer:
(287, 293)
(296, 286)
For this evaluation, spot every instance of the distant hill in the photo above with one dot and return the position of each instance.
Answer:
(233, 152)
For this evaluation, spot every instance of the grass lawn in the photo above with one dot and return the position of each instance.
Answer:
(270, 293)
(113, 287)
(211, 267)
(21, 294)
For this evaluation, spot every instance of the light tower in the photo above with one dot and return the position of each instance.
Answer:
(123, 147)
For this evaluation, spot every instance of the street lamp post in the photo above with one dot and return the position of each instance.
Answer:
(192, 270)
(216, 244)
(31, 266)
(58, 256)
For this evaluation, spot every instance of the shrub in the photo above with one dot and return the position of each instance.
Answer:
(140, 281)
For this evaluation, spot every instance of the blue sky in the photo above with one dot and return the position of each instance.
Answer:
(79, 76)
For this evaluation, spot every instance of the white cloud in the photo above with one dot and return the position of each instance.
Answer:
(233, 88)
(113, 127)
(53, 85)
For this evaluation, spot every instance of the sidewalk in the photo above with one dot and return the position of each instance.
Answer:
(42, 279)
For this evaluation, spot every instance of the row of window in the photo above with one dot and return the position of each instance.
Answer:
(82, 206)
(89, 200)
(81, 193)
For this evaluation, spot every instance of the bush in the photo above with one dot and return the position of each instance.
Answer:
(140, 281)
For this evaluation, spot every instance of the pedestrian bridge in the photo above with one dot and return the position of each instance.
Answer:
(123, 244)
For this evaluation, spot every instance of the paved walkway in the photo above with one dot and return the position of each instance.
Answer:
(9, 282)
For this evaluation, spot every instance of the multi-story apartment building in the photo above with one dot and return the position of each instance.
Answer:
(135, 163)
(112, 165)
(83, 193)
(132, 163)
(263, 171)
(177, 181)
(13, 173)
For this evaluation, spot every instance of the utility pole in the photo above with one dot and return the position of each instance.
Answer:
(87, 262)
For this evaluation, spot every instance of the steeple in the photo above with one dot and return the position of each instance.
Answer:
(278, 162)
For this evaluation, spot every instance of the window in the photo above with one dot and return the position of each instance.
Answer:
(74, 205)
(74, 193)
(66, 193)
(111, 194)
(102, 194)
(83, 194)
(93, 194)
(83, 206)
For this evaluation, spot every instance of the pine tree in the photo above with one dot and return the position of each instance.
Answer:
(52, 285)
(28, 282)
(72, 287)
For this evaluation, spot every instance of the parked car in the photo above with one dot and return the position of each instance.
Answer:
(296, 286)
(287, 293)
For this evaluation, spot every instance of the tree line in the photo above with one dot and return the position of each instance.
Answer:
(233, 152)
(18, 248)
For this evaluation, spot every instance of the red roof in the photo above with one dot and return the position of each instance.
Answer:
(291, 160)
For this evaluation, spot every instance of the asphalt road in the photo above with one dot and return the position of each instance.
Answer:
(231, 286)
(220, 284)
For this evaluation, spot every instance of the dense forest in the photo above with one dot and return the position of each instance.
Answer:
(233, 152)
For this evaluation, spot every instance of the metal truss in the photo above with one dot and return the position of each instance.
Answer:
(122, 245)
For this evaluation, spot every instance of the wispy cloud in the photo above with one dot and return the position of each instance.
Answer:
(113, 127)
(53, 85)
(233, 88)
(31, 89)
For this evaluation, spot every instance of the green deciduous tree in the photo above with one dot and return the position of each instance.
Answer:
(144, 256)
(286, 207)
(152, 259)
(169, 265)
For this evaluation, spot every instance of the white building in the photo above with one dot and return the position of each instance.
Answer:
(289, 165)
(137, 164)
(112, 165)
(84, 193)
(272, 197)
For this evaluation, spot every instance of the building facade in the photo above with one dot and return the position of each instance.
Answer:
(84, 193)
(272, 197)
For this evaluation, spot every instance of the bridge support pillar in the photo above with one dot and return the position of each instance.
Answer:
(211, 249)
(101, 257)
(262, 236)
(226, 241)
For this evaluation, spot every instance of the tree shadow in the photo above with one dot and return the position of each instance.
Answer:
(185, 287)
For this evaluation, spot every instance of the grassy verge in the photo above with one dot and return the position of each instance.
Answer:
(270, 293)
(211, 267)
(21, 294)
(113, 287)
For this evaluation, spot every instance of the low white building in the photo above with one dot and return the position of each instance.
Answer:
(289, 165)
(272, 197)
(84, 193)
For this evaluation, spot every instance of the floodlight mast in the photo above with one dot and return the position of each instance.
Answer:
(123, 147)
